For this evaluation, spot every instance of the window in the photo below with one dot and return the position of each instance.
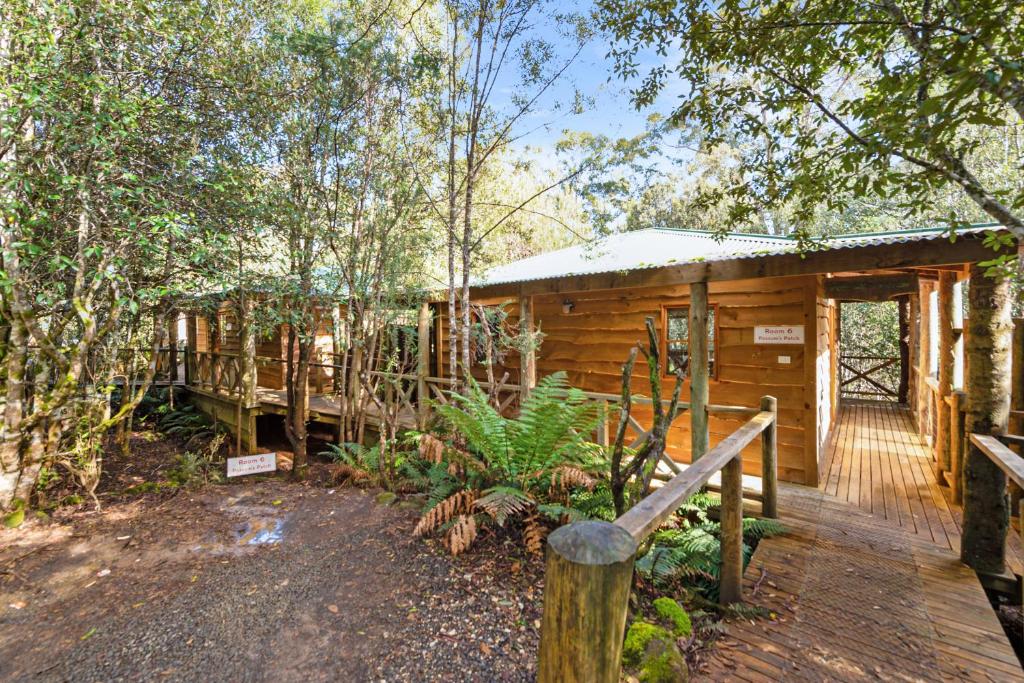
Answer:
(677, 340)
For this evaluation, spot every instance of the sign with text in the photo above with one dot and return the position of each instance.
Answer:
(779, 334)
(252, 464)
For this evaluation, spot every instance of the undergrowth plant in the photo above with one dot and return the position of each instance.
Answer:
(689, 553)
(521, 471)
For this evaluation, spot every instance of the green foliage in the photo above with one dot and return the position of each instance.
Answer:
(531, 469)
(842, 107)
(671, 612)
(199, 467)
(187, 423)
(691, 553)
(525, 452)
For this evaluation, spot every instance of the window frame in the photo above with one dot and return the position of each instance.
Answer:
(714, 348)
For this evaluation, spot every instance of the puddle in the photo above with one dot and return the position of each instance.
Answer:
(261, 531)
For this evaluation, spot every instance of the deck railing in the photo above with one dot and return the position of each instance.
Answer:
(219, 373)
(589, 566)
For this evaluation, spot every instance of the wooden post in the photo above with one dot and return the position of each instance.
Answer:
(946, 361)
(172, 351)
(904, 324)
(956, 443)
(528, 354)
(731, 572)
(986, 507)
(913, 362)
(769, 461)
(587, 578)
(422, 366)
(958, 335)
(699, 371)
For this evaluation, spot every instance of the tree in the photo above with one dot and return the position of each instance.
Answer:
(483, 41)
(892, 99)
(102, 113)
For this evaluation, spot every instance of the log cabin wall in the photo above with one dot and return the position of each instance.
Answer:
(591, 342)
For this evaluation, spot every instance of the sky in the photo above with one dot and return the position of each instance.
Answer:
(610, 113)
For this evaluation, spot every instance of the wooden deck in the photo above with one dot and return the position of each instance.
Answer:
(324, 408)
(867, 583)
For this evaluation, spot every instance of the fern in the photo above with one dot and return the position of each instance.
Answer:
(527, 468)
(692, 552)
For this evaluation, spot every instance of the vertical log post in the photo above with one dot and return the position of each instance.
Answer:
(914, 341)
(731, 572)
(527, 354)
(172, 351)
(769, 461)
(422, 366)
(587, 577)
(946, 361)
(699, 370)
(986, 506)
(958, 335)
(903, 392)
(956, 443)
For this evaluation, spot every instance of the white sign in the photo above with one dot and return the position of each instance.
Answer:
(252, 464)
(779, 334)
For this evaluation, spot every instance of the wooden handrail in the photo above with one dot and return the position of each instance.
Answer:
(589, 566)
(650, 513)
(1005, 459)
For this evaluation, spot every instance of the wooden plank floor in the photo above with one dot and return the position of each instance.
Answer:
(867, 583)
(858, 599)
(878, 462)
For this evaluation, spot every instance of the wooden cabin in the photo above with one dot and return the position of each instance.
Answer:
(772, 322)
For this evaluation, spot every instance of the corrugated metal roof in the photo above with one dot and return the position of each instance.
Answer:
(660, 247)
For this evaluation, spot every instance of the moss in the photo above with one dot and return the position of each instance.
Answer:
(670, 610)
(640, 633)
(652, 651)
(663, 664)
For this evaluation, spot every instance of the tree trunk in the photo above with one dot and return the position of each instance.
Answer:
(986, 506)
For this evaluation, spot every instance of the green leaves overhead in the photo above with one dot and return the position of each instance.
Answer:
(831, 103)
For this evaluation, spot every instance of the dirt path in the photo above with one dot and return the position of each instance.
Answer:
(273, 581)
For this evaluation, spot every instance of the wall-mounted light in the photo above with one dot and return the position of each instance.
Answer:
(567, 306)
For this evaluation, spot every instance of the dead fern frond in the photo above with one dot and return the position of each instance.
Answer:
(460, 462)
(431, 448)
(458, 503)
(343, 472)
(461, 534)
(534, 533)
(567, 477)
(502, 502)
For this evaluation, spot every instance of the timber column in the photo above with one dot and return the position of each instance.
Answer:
(986, 505)
(697, 340)
(947, 358)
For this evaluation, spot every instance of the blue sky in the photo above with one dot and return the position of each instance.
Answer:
(611, 112)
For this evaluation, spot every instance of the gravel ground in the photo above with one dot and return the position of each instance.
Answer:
(171, 588)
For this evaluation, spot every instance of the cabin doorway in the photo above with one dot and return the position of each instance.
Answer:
(874, 351)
